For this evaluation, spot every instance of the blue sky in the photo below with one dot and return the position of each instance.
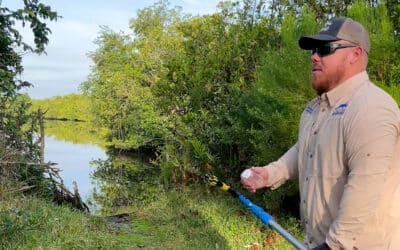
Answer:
(66, 64)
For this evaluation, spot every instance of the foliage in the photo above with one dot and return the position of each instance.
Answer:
(393, 8)
(199, 219)
(71, 107)
(15, 124)
(122, 100)
(76, 132)
(384, 45)
(34, 13)
(31, 223)
(393, 86)
(216, 217)
(124, 180)
(19, 156)
(267, 115)
(225, 89)
(13, 223)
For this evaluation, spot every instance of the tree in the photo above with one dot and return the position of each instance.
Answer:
(120, 89)
(393, 8)
(227, 88)
(16, 125)
(384, 43)
(34, 13)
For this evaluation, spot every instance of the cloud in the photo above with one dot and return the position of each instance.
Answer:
(66, 64)
(198, 7)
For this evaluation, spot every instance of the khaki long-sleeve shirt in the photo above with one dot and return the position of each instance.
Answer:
(347, 159)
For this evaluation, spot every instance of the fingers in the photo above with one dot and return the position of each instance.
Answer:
(261, 171)
(258, 181)
(248, 185)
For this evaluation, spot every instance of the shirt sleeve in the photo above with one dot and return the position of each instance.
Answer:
(370, 135)
(283, 169)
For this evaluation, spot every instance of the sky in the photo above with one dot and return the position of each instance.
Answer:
(66, 64)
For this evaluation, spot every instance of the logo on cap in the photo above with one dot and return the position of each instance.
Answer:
(326, 26)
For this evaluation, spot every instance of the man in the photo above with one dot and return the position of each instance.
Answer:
(347, 156)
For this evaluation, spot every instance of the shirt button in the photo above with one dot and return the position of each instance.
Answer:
(310, 155)
(306, 178)
(315, 132)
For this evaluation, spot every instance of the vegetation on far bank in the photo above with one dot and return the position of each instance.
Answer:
(72, 107)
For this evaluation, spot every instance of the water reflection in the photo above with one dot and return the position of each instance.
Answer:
(76, 132)
(106, 178)
(74, 161)
(123, 179)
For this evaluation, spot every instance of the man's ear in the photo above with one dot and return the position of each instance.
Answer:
(356, 55)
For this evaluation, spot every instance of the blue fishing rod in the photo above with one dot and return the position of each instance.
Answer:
(265, 217)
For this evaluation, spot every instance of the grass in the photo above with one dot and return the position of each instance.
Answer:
(177, 219)
(31, 223)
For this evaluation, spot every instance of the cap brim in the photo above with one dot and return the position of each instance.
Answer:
(309, 42)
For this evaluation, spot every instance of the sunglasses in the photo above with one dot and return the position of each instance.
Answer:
(329, 48)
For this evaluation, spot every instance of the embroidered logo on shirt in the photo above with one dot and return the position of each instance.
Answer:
(340, 109)
(309, 110)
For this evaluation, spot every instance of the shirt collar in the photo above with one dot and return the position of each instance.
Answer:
(346, 88)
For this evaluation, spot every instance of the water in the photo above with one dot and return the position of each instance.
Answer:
(74, 161)
(114, 178)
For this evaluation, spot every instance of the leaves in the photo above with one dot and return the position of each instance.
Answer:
(34, 14)
(225, 89)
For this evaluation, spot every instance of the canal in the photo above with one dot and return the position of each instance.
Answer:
(106, 178)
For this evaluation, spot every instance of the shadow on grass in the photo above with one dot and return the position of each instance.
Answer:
(161, 219)
(194, 227)
(189, 218)
(173, 221)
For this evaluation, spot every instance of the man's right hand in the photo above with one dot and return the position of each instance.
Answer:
(252, 184)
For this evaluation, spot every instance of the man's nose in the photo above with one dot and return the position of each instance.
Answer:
(315, 57)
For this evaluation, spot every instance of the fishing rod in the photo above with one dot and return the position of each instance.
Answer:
(265, 217)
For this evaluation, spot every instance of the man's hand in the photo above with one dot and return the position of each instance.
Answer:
(253, 183)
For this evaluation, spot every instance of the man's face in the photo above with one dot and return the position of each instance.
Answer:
(329, 70)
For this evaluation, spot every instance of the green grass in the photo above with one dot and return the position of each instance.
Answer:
(31, 223)
(177, 219)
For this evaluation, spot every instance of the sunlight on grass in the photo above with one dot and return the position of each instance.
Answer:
(177, 219)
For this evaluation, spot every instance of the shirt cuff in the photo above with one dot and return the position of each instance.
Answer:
(277, 174)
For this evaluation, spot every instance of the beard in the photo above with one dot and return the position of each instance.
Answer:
(323, 81)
